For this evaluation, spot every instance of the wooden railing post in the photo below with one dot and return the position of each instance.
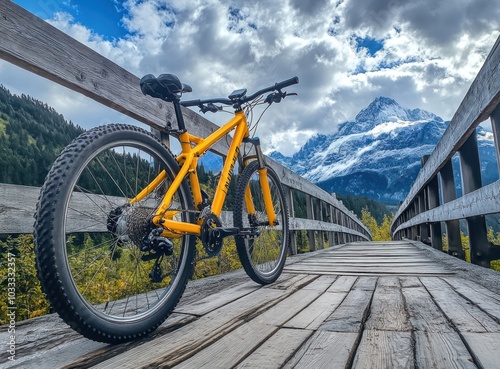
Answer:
(423, 228)
(321, 235)
(470, 167)
(433, 201)
(452, 226)
(291, 209)
(495, 127)
(331, 234)
(310, 215)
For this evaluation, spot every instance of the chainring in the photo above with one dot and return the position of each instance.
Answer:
(210, 238)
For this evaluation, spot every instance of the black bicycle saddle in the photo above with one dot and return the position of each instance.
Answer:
(167, 87)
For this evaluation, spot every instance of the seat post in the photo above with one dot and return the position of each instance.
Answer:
(178, 115)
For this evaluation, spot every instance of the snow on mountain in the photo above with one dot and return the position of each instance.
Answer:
(378, 154)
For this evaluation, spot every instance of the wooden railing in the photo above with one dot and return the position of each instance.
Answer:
(35, 45)
(433, 197)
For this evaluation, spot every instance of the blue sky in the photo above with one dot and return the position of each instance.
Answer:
(423, 53)
(102, 16)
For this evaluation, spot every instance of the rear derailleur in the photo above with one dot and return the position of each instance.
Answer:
(158, 247)
(133, 224)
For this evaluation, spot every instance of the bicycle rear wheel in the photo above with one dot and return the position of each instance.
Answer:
(263, 256)
(94, 264)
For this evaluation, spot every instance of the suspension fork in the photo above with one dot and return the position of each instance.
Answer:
(264, 184)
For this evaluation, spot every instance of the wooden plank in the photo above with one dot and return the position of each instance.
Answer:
(229, 350)
(392, 282)
(465, 316)
(384, 349)
(325, 350)
(409, 282)
(441, 350)
(423, 313)
(318, 225)
(236, 345)
(335, 270)
(216, 300)
(458, 283)
(484, 348)
(19, 202)
(323, 283)
(17, 206)
(293, 304)
(315, 314)
(276, 350)
(47, 342)
(351, 314)
(343, 284)
(293, 283)
(186, 341)
(490, 303)
(366, 284)
(387, 311)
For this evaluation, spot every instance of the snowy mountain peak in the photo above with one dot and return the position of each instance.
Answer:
(382, 109)
(379, 154)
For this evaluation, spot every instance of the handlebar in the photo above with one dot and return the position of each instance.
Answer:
(276, 87)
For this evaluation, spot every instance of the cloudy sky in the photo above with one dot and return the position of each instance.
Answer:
(422, 53)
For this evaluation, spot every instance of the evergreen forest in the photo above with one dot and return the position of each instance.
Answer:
(32, 134)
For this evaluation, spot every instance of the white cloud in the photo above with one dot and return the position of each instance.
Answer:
(431, 52)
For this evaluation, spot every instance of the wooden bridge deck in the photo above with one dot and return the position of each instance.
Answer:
(361, 305)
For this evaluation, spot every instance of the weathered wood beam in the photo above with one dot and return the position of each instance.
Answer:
(18, 203)
(478, 104)
(484, 201)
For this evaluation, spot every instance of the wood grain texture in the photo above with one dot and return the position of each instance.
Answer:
(423, 312)
(315, 314)
(485, 348)
(301, 321)
(276, 350)
(181, 344)
(384, 349)
(325, 350)
(351, 314)
(387, 311)
(442, 350)
(464, 315)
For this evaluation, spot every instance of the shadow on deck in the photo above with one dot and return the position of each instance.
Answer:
(360, 305)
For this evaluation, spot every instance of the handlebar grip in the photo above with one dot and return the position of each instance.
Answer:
(288, 82)
(190, 103)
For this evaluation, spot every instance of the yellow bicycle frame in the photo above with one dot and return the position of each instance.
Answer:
(188, 160)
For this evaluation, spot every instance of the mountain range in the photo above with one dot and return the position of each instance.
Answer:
(379, 154)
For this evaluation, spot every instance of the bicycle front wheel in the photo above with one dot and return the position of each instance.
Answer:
(95, 262)
(263, 246)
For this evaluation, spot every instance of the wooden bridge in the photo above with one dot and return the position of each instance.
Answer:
(399, 304)
(360, 305)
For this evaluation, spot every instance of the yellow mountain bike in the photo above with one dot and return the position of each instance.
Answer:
(119, 214)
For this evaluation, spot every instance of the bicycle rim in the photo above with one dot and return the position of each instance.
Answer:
(263, 257)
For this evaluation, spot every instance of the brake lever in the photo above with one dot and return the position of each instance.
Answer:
(277, 96)
(210, 107)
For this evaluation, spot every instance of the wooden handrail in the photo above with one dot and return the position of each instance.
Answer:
(31, 43)
(421, 213)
